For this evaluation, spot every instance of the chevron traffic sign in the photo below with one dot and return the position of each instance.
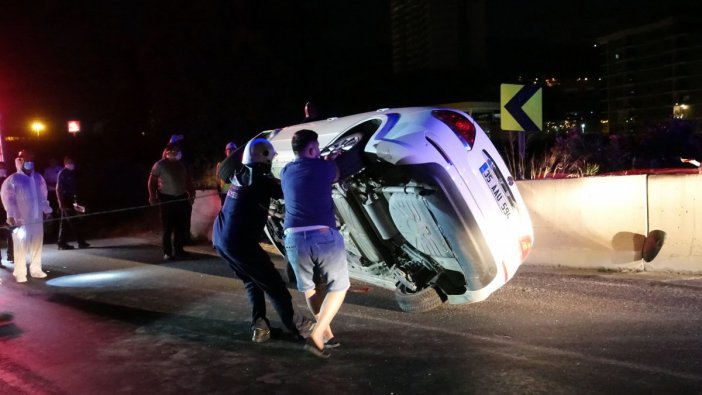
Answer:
(520, 108)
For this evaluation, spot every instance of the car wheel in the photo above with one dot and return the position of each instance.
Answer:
(417, 302)
(351, 149)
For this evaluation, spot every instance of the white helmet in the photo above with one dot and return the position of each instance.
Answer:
(258, 150)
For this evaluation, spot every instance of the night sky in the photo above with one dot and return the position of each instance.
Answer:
(217, 70)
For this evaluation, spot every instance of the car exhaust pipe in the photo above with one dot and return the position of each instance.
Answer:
(376, 208)
(410, 190)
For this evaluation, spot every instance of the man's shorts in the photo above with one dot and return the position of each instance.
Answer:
(321, 250)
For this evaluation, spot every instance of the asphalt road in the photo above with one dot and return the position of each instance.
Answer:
(115, 319)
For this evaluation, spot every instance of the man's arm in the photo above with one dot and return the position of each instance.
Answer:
(43, 197)
(9, 201)
(152, 185)
(331, 158)
(60, 192)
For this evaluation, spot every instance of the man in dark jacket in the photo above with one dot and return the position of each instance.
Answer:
(66, 191)
(236, 234)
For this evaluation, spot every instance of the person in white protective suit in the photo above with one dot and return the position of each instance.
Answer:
(24, 196)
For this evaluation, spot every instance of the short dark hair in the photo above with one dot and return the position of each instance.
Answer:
(172, 147)
(302, 138)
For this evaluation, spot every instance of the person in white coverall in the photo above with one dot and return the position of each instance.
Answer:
(24, 196)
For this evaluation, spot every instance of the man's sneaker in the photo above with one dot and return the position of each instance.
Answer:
(83, 245)
(65, 247)
(262, 332)
(167, 257)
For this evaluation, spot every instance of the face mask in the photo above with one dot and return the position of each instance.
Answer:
(28, 165)
(179, 155)
(3, 173)
(71, 167)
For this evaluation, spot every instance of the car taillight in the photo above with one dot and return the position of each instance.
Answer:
(459, 124)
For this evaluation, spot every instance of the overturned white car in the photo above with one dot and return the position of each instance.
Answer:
(425, 204)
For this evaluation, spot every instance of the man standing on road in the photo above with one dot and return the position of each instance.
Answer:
(236, 235)
(223, 185)
(51, 177)
(66, 190)
(24, 196)
(170, 186)
(313, 245)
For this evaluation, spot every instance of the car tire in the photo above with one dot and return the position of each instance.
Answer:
(417, 302)
(350, 161)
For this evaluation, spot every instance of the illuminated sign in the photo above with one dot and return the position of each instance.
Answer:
(520, 108)
(73, 126)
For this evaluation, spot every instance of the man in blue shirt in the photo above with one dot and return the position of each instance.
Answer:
(313, 245)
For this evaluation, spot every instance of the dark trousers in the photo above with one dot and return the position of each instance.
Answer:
(51, 227)
(174, 221)
(254, 267)
(69, 224)
(6, 235)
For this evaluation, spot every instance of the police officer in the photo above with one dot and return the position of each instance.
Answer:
(236, 235)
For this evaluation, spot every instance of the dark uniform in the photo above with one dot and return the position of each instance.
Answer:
(236, 236)
(66, 190)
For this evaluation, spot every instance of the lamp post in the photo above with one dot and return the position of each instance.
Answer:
(38, 127)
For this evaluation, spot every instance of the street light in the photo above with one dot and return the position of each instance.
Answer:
(38, 127)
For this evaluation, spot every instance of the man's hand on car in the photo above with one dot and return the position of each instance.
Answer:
(333, 155)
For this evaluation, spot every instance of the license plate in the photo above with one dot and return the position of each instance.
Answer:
(499, 194)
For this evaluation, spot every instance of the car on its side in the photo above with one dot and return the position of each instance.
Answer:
(425, 203)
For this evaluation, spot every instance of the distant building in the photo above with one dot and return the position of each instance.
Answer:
(438, 35)
(652, 73)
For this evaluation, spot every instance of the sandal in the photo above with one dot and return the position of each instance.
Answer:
(311, 348)
(332, 343)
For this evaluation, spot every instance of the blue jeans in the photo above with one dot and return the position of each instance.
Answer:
(321, 251)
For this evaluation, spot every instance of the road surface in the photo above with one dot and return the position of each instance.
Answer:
(115, 319)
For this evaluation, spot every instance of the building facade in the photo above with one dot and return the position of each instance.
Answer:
(652, 74)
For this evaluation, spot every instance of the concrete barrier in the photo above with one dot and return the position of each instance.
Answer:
(675, 207)
(602, 222)
(591, 222)
(205, 209)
